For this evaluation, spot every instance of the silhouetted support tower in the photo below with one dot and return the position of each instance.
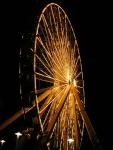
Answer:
(54, 84)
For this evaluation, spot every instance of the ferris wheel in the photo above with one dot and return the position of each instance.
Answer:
(58, 84)
(57, 75)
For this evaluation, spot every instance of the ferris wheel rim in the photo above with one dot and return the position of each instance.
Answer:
(44, 9)
(37, 29)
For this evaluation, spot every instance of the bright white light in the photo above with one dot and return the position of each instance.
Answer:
(75, 83)
(70, 140)
(18, 134)
(48, 144)
(2, 142)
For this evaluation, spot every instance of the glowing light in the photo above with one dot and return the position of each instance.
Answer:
(18, 134)
(70, 140)
(48, 144)
(38, 136)
(74, 82)
(2, 142)
(70, 95)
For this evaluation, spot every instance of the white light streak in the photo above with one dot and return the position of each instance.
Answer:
(18, 134)
(74, 82)
(70, 140)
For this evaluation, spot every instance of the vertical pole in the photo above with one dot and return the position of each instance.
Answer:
(20, 80)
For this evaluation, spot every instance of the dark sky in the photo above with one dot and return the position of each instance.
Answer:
(91, 21)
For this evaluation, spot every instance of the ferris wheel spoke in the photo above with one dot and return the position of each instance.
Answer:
(49, 58)
(76, 64)
(45, 80)
(44, 74)
(75, 122)
(65, 136)
(50, 126)
(45, 122)
(79, 127)
(62, 120)
(49, 55)
(52, 106)
(48, 80)
(51, 30)
(59, 42)
(52, 24)
(48, 77)
(81, 87)
(62, 23)
(73, 63)
(53, 111)
(48, 100)
(48, 32)
(46, 93)
(78, 91)
(77, 59)
(75, 48)
(59, 59)
(47, 61)
(60, 76)
(60, 27)
(64, 127)
(53, 43)
(45, 38)
(46, 104)
(66, 36)
(41, 61)
(59, 62)
(62, 132)
(54, 21)
(78, 75)
(51, 100)
(44, 89)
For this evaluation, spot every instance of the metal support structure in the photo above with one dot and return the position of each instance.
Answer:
(91, 132)
(76, 146)
(57, 113)
(21, 112)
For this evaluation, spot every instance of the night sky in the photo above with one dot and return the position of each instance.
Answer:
(92, 25)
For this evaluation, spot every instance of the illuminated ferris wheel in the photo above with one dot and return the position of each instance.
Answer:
(58, 77)
(58, 84)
